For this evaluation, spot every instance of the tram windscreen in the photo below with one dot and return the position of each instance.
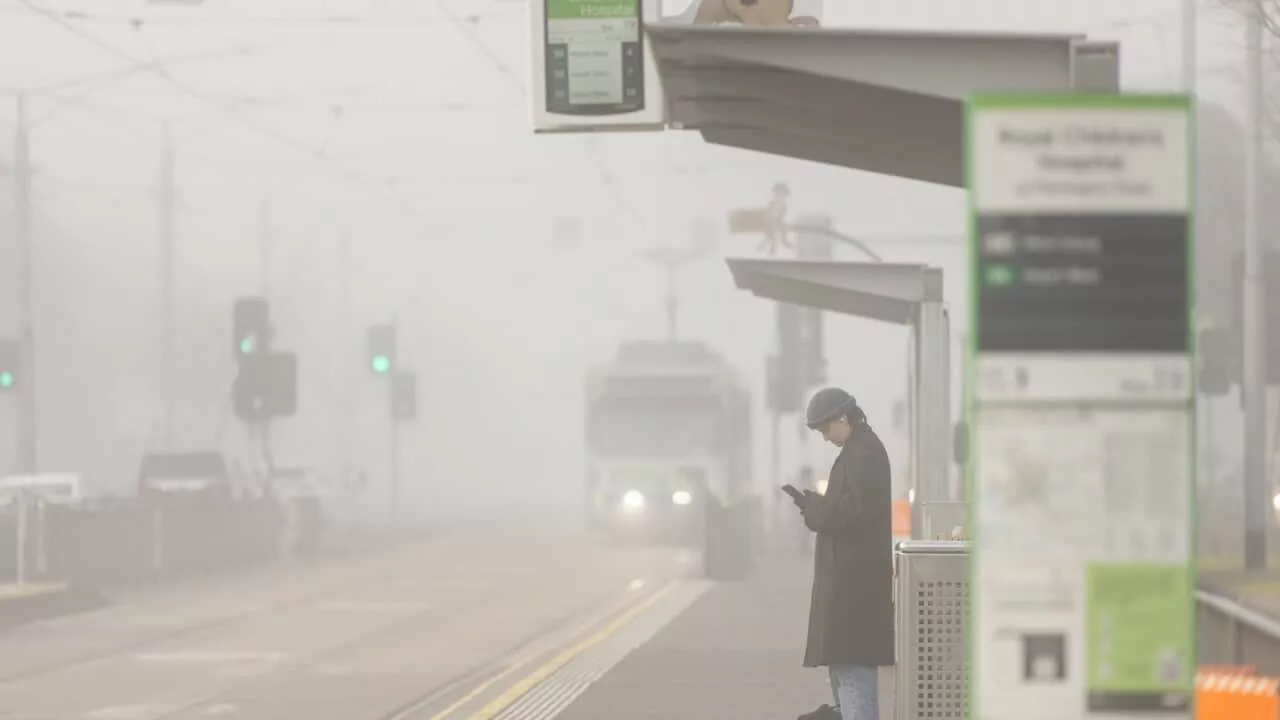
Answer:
(656, 427)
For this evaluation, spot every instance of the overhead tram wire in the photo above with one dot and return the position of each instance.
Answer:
(377, 186)
(277, 21)
(606, 175)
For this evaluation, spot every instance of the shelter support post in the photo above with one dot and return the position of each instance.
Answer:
(932, 414)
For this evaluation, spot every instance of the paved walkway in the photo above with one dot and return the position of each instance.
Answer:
(733, 655)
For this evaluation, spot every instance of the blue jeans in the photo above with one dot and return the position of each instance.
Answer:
(856, 689)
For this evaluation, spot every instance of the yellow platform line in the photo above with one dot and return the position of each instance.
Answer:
(527, 683)
(516, 691)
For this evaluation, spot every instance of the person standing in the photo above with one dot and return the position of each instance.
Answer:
(851, 620)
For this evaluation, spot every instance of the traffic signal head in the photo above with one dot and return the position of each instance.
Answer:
(382, 349)
(266, 387)
(251, 326)
(10, 364)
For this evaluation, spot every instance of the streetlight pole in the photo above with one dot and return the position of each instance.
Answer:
(168, 269)
(1254, 386)
(28, 415)
(826, 231)
(28, 452)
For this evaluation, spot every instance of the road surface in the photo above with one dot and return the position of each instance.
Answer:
(450, 627)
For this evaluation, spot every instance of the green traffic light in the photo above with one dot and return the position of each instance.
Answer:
(248, 344)
(6, 380)
(381, 363)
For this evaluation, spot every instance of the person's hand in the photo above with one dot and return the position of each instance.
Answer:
(808, 505)
(808, 501)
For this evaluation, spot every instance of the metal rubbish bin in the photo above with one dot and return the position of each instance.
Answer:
(931, 599)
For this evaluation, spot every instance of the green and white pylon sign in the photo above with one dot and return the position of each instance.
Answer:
(1080, 396)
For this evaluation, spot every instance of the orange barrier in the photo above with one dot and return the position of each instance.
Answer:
(1230, 670)
(901, 520)
(1236, 694)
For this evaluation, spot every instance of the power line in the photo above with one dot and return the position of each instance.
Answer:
(610, 181)
(606, 175)
(467, 28)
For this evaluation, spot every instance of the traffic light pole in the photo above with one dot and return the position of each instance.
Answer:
(27, 440)
(393, 464)
(772, 385)
(264, 260)
(394, 474)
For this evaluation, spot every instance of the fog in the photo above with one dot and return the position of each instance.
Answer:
(364, 161)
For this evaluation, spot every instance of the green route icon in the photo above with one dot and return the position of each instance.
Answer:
(999, 276)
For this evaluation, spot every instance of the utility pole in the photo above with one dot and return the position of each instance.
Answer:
(28, 457)
(265, 248)
(1190, 43)
(672, 301)
(346, 414)
(1257, 490)
(672, 260)
(1205, 466)
(168, 269)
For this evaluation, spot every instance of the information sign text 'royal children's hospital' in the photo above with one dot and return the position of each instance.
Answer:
(1081, 400)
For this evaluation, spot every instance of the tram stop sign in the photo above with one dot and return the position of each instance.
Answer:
(1082, 409)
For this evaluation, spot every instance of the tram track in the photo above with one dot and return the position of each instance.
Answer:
(184, 631)
(539, 601)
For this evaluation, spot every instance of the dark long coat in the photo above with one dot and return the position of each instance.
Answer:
(851, 618)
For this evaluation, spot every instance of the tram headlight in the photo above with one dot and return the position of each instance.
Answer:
(681, 497)
(633, 500)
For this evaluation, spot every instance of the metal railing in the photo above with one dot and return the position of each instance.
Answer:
(1233, 635)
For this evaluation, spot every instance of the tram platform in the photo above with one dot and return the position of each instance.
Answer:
(735, 654)
(21, 603)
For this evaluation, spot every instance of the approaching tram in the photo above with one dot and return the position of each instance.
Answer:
(668, 432)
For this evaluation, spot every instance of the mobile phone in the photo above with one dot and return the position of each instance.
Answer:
(595, 56)
(795, 494)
